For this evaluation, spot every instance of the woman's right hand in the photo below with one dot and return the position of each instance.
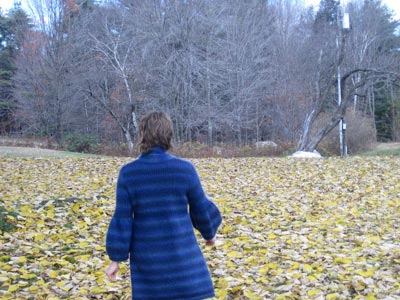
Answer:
(112, 271)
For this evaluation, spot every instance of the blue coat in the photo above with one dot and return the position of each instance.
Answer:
(153, 226)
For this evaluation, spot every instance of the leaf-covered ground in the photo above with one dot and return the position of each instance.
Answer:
(293, 228)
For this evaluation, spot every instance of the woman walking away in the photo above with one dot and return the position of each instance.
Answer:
(152, 225)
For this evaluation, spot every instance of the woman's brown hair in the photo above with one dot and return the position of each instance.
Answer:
(156, 129)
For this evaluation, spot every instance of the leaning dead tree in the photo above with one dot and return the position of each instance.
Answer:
(336, 68)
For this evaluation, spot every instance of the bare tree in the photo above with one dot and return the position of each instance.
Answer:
(365, 71)
(43, 66)
(226, 71)
(113, 46)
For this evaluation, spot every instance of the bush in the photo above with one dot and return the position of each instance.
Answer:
(199, 150)
(116, 149)
(23, 141)
(360, 135)
(80, 143)
(7, 220)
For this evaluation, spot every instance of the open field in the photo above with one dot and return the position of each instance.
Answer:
(384, 149)
(32, 148)
(7, 151)
(292, 229)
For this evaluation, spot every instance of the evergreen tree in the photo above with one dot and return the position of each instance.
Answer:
(12, 29)
(327, 14)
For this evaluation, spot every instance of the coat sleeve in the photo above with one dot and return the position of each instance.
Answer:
(204, 214)
(119, 234)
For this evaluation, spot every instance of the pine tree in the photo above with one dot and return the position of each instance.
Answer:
(327, 14)
(12, 29)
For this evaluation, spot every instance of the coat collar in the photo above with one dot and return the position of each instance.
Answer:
(155, 154)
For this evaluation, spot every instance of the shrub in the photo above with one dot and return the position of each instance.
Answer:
(7, 220)
(199, 150)
(80, 143)
(360, 135)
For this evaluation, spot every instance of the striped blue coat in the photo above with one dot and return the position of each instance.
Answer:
(159, 201)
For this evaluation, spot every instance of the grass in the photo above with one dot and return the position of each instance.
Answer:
(6, 151)
(380, 149)
(384, 149)
(386, 152)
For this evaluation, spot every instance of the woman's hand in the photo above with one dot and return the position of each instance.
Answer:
(211, 242)
(112, 270)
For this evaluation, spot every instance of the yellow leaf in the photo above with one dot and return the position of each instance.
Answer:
(226, 229)
(342, 260)
(53, 274)
(83, 244)
(76, 207)
(374, 239)
(22, 259)
(311, 277)
(33, 289)
(230, 264)
(338, 229)
(236, 288)
(50, 213)
(40, 223)
(343, 277)
(233, 254)
(313, 293)
(39, 237)
(13, 288)
(97, 290)
(251, 295)
(272, 265)
(359, 285)
(370, 297)
(28, 276)
(332, 296)
(81, 224)
(295, 264)
(307, 268)
(271, 236)
(25, 211)
(222, 293)
(222, 283)
(264, 269)
(368, 273)
(10, 218)
(85, 257)
(63, 262)
(40, 282)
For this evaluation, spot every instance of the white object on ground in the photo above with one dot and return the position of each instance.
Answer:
(305, 154)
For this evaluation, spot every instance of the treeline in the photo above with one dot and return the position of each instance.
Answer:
(226, 71)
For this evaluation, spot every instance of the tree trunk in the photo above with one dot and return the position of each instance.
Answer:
(129, 142)
(303, 145)
(209, 106)
(316, 139)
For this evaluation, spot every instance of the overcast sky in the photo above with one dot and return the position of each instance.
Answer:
(392, 4)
